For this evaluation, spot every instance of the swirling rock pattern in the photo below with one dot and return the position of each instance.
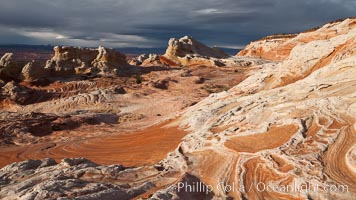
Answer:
(290, 124)
(284, 131)
(279, 47)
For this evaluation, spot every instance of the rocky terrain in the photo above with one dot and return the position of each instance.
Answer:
(92, 124)
(83, 93)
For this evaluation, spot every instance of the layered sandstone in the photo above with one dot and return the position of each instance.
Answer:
(279, 47)
(291, 123)
(146, 60)
(33, 71)
(287, 124)
(187, 51)
(75, 60)
(179, 48)
(73, 178)
(66, 62)
(9, 68)
(69, 60)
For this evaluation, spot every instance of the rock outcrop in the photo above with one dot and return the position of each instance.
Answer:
(189, 46)
(187, 51)
(67, 179)
(147, 60)
(279, 47)
(109, 61)
(34, 71)
(17, 93)
(13, 70)
(70, 60)
(288, 124)
(286, 131)
(66, 62)
(9, 68)
(27, 128)
(74, 60)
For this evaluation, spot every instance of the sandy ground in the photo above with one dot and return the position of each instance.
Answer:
(144, 147)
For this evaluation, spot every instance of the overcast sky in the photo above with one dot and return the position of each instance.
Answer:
(150, 23)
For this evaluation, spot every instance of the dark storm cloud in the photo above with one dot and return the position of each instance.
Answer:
(120, 23)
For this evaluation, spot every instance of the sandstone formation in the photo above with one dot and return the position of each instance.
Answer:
(189, 46)
(187, 51)
(74, 60)
(33, 71)
(83, 179)
(70, 60)
(9, 68)
(17, 93)
(109, 61)
(146, 60)
(23, 129)
(288, 124)
(279, 47)
(66, 62)
(122, 103)
(74, 178)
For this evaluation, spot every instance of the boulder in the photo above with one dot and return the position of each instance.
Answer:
(16, 92)
(108, 61)
(33, 71)
(9, 68)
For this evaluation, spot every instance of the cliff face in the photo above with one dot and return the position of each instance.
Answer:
(279, 47)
